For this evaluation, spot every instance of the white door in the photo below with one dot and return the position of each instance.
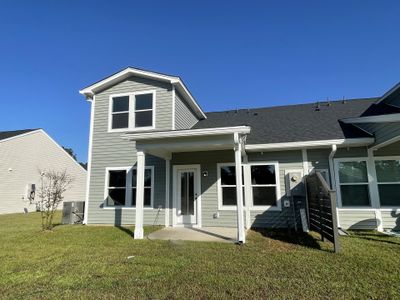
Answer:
(186, 196)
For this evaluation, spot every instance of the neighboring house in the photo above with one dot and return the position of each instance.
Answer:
(156, 158)
(22, 154)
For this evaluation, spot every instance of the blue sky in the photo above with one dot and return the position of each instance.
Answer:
(232, 54)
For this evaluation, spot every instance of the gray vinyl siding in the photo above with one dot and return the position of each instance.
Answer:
(357, 219)
(25, 156)
(389, 150)
(184, 116)
(109, 150)
(351, 152)
(382, 131)
(391, 219)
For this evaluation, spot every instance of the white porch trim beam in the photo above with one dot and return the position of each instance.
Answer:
(309, 144)
(239, 191)
(373, 185)
(139, 194)
(185, 133)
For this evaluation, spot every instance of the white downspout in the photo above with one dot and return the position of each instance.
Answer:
(333, 179)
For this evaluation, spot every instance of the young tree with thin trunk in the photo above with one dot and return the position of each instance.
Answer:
(53, 185)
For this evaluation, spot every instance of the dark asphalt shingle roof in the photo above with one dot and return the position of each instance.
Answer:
(294, 123)
(8, 134)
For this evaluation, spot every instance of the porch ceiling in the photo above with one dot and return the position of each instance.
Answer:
(165, 147)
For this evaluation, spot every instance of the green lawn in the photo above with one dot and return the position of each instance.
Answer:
(91, 262)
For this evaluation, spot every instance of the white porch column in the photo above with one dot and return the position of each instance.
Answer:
(373, 185)
(239, 191)
(167, 184)
(139, 194)
(247, 189)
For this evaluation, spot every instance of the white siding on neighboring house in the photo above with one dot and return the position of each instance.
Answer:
(20, 159)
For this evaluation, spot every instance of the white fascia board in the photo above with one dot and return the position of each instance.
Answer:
(176, 81)
(186, 133)
(373, 119)
(310, 144)
(90, 90)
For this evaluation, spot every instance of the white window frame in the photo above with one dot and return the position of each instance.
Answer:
(132, 111)
(338, 184)
(128, 187)
(277, 184)
(379, 158)
(220, 186)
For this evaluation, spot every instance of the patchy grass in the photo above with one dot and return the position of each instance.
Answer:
(91, 262)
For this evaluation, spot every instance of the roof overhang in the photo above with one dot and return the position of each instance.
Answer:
(91, 90)
(373, 119)
(355, 142)
(164, 143)
(156, 135)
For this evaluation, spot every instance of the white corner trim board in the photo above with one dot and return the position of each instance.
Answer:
(310, 144)
(186, 133)
(91, 90)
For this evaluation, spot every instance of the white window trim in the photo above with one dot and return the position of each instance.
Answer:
(338, 184)
(128, 188)
(131, 112)
(278, 206)
(377, 158)
(277, 185)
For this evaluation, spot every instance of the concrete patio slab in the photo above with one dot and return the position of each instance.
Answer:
(205, 234)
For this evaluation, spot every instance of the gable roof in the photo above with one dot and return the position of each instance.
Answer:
(4, 135)
(294, 123)
(176, 81)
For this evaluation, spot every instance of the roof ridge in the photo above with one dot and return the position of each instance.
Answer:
(297, 104)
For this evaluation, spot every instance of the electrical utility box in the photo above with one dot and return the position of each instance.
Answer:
(73, 212)
(295, 183)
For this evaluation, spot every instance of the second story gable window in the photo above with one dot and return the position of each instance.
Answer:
(132, 111)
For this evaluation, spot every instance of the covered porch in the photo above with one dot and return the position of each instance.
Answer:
(205, 234)
(186, 179)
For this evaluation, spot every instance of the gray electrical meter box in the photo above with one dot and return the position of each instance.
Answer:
(295, 184)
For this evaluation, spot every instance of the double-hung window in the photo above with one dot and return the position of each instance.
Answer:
(133, 111)
(388, 179)
(264, 184)
(353, 183)
(121, 187)
(227, 184)
(116, 187)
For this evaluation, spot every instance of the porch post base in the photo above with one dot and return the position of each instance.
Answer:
(138, 235)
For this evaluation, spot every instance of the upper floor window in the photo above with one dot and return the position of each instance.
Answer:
(133, 111)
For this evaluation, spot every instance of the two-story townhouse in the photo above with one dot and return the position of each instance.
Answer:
(156, 158)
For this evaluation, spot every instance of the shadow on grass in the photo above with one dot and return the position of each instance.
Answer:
(375, 237)
(291, 237)
(126, 230)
